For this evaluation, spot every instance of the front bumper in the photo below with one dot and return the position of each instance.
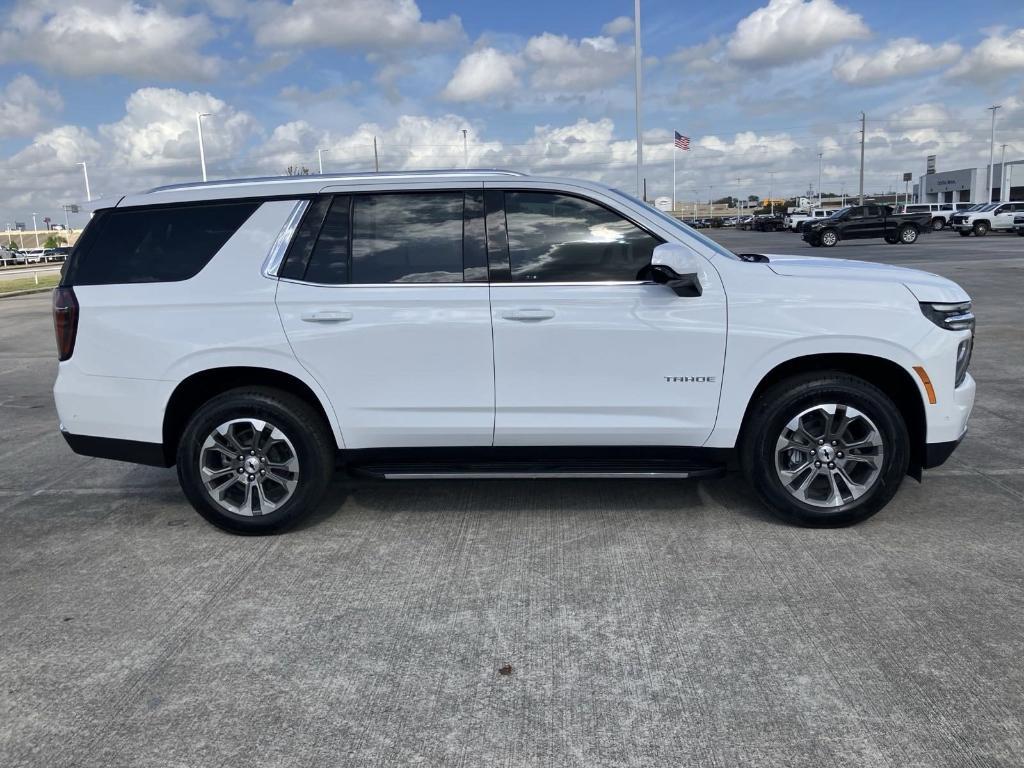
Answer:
(935, 454)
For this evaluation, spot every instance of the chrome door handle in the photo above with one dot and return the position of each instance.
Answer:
(326, 316)
(528, 315)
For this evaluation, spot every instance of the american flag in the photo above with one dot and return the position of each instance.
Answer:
(683, 142)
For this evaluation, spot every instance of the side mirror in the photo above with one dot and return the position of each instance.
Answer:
(677, 267)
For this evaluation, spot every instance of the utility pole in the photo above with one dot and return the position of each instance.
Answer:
(819, 179)
(465, 148)
(85, 172)
(320, 159)
(202, 149)
(637, 80)
(1002, 174)
(991, 153)
(863, 135)
(376, 162)
(771, 191)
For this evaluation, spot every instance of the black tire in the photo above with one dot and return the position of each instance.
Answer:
(964, 232)
(981, 228)
(781, 403)
(304, 427)
(908, 234)
(938, 224)
(828, 238)
(892, 239)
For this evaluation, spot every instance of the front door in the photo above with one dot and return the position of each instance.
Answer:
(587, 351)
(384, 300)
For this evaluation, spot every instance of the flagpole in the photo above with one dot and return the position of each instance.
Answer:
(673, 174)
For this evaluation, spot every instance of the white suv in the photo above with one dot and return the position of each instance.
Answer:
(259, 333)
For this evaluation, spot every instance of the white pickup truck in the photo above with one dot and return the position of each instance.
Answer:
(994, 217)
(794, 219)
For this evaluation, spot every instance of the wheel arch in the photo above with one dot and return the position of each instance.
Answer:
(199, 387)
(890, 377)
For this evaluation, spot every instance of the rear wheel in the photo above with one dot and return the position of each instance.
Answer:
(825, 449)
(938, 224)
(981, 229)
(255, 460)
(908, 234)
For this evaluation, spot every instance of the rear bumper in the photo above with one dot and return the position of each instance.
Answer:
(134, 451)
(935, 454)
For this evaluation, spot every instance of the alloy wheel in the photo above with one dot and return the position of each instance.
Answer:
(248, 467)
(829, 455)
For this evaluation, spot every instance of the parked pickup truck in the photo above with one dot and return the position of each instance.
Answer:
(994, 217)
(858, 222)
(1018, 224)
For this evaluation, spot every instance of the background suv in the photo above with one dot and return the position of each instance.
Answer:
(490, 324)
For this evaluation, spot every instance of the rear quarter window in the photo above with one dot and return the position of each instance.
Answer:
(155, 245)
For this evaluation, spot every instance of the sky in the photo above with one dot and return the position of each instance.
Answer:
(761, 87)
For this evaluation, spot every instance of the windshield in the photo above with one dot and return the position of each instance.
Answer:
(676, 224)
(989, 207)
(840, 212)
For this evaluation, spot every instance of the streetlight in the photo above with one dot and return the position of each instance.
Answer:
(637, 65)
(85, 172)
(1002, 174)
(35, 228)
(202, 149)
(320, 159)
(819, 179)
(991, 153)
(465, 148)
(771, 191)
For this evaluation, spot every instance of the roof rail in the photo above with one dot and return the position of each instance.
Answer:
(447, 173)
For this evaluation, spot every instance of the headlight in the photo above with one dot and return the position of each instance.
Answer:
(951, 317)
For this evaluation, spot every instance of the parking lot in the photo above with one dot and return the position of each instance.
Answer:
(560, 623)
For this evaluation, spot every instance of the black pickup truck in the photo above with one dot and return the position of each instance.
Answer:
(858, 222)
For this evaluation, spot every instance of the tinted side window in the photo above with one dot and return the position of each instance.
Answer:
(329, 262)
(559, 238)
(407, 238)
(155, 245)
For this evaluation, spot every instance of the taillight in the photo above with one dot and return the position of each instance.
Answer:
(65, 321)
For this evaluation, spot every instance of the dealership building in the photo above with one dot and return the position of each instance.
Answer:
(968, 184)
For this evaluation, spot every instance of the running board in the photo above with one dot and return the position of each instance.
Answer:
(519, 471)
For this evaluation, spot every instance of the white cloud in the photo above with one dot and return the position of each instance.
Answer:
(998, 54)
(483, 73)
(159, 129)
(903, 57)
(786, 31)
(618, 26)
(108, 37)
(561, 63)
(362, 25)
(25, 106)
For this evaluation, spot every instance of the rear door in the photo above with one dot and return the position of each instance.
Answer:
(384, 299)
(587, 351)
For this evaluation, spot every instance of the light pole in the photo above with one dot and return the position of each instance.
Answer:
(637, 63)
(991, 153)
(320, 159)
(202, 149)
(843, 204)
(1002, 174)
(819, 179)
(85, 172)
(465, 148)
(771, 192)
(863, 137)
(35, 228)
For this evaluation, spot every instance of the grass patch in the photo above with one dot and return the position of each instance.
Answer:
(9, 283)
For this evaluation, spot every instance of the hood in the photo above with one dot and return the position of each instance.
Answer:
(924, 285)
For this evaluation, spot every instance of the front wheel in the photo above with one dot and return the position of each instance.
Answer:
(828, 238)
(981, 229)
(825, 449)
(255, 460)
